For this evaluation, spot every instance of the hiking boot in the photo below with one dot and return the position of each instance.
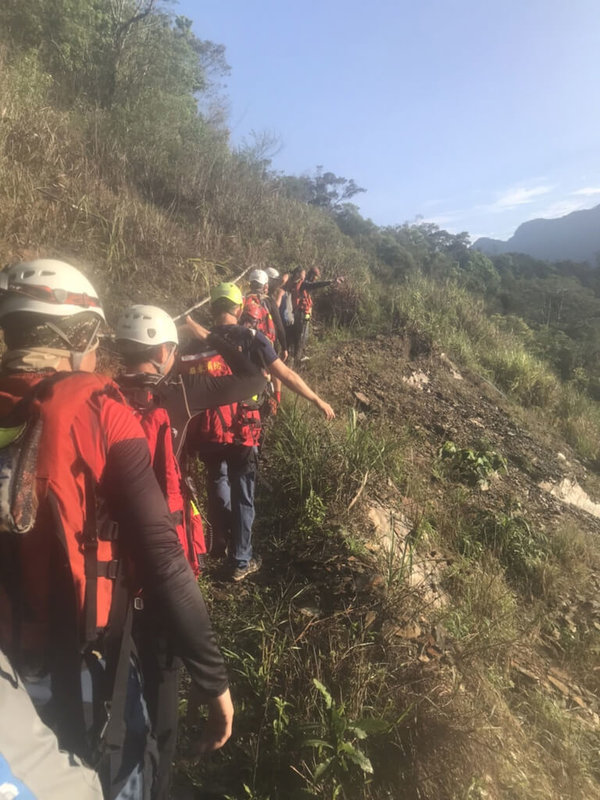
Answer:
(239, 573)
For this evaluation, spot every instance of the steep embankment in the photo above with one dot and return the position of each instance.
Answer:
(452, 604)
(418, 563)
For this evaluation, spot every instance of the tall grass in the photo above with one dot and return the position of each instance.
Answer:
(82, 184)
(458, 321)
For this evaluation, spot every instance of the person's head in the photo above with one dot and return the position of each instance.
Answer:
(259, 281)
(313, 273)
(147, 339)
(298, 274)
(50, 314)
(226, 301)
(274, 278)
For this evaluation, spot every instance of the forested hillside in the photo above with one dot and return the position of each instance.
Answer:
(426, 624)
(574, 236)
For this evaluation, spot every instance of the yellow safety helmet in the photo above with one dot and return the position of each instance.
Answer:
(228, 290)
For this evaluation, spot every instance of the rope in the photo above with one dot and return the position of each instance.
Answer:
(206, 299)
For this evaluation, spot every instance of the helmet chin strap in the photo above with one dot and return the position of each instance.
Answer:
(162, 368)
(77, 356)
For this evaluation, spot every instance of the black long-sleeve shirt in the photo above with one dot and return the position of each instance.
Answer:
(153, 546)
(273, 310)
(186, 395)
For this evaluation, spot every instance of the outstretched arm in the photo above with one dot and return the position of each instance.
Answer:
(294, 382)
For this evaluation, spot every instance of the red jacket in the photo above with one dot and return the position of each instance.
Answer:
(156, 424)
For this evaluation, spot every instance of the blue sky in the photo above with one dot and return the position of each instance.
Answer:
(477, 115)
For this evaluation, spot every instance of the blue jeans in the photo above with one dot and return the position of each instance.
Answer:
(231, 478)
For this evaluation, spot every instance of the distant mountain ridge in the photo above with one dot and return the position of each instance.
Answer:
(574, 237)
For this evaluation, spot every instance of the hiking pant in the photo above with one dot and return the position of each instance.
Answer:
(231, 479)
(298, 335)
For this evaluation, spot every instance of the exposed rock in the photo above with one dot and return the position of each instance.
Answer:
(362, 398)
(417, 380)
(453, 369)
(390, 540)
(408, 631)
(569, 491)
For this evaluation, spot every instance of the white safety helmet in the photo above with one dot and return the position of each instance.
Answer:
(258, 276)
(272, 272)
(47, 286)
(146, 325)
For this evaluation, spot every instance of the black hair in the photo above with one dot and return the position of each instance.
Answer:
(134, 353)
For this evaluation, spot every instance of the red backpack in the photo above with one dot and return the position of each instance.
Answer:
(62, 580)
(301, 299)
(237, 423)
(259, 315)
(37, 497)
(182, 504)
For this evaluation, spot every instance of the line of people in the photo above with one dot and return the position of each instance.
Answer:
(100, 535)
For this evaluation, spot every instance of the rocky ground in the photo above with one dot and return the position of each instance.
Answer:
(401, 379)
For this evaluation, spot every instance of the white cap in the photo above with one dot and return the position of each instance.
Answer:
(47, 286)
(147, 325)
(258, 276)
(272, 272)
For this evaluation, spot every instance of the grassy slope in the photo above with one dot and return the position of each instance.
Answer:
(478, 680)
(450, 713)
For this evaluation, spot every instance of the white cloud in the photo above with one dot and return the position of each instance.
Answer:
(561, 208)
(519, 196)
(587, 191)
(441, 220)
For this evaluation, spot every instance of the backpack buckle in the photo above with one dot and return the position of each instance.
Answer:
(107, 710)
(112, 569)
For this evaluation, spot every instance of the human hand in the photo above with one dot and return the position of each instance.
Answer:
(325, 408)
(284, 355)
(340, 279)
(219, 723)
(199, 331)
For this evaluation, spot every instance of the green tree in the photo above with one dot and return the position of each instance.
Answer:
(324, 189)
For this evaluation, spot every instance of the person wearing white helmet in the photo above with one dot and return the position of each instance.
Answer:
(258, 280)
(63, 312)
(270, 325)
(74, 458)
(226, 438)
(147, 339)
